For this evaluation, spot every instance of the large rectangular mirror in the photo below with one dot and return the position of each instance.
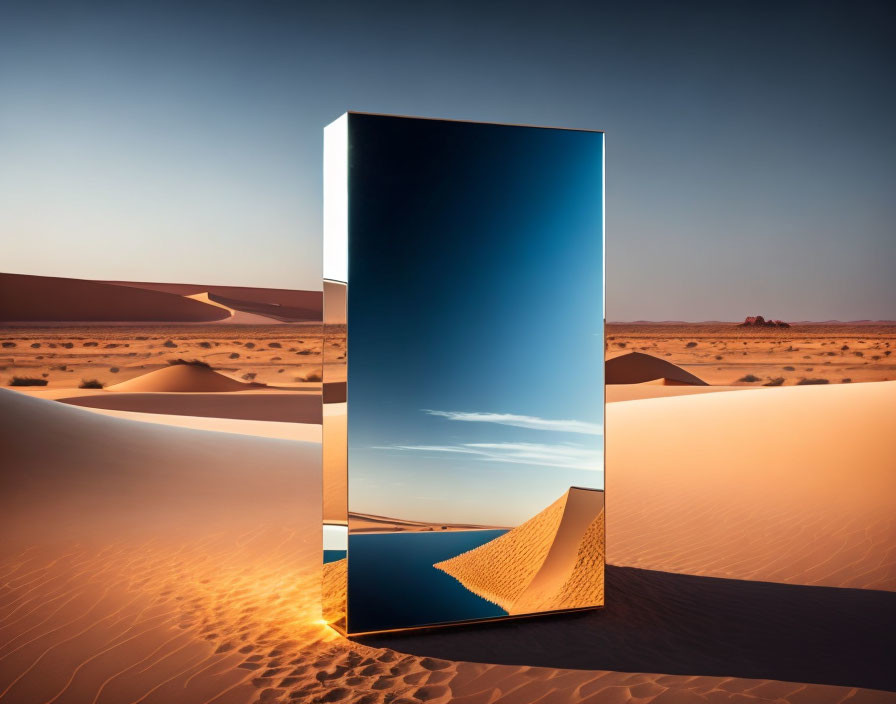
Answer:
(463, 371)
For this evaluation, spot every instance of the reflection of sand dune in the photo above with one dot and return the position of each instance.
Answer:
(637, 368)
(552, 561)
(182, 378)
(26, 299)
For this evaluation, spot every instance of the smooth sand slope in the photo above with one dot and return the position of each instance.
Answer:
(28, 299)
(639, 368)
(794, 484)
(234, 316)
(182, 378)
(552, 561)
(160, 565)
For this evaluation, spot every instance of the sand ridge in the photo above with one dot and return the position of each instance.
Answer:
(182, 378)
(639, 368)
(533, 567)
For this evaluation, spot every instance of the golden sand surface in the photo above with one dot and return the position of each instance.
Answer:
(724, 354)
(533, 567)
(142, 562)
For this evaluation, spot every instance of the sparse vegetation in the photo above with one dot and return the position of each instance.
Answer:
(311, 376)
(205, 345)
(749, 378)
(691, 344)
(305, 351)
(190, 363)
(249, 376)
(35, 345)
(777, 381)
(169, 343)
(275, 345)
(807, 382)
(789, 369)
(91, 344)
(114, 370)
(234, 355)
(847, 380)
(67, 345)
(249, 345)
(27, 381)
(9, 344)
(90, 384)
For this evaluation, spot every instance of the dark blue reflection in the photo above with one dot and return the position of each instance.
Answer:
(333, 555)
(393, 584)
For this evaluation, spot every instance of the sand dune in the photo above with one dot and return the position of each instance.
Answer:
(552, 561)
(266, 405)
(182, 378)
(193, 576)
(47, 299)
(633, 392)
(282, 304)
(794, 484)
(637, 368)
(235, 317)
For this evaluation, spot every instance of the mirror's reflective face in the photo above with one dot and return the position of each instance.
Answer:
(473, 418)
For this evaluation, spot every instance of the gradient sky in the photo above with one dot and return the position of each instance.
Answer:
(750, 147)
(475, 318)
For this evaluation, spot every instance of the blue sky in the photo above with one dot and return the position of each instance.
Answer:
(475, 309)
(749, 145)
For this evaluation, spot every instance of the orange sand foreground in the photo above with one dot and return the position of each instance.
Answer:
(145, 562)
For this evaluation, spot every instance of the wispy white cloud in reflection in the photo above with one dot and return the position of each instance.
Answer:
(517, 421)
(566, 456)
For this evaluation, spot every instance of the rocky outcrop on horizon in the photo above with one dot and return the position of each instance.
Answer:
(757, 321)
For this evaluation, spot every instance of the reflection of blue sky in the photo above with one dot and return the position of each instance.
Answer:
(475, 318)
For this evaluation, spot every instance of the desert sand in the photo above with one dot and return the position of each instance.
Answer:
(130, 574)
(750, 537)
(544, 564)
(724, 354)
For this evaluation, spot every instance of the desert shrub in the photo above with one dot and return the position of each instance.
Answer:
(280, 371)
(169, 343)
(67, 345)
(749, 378)
(859, 353)
(276, 359)
(807, 382)
(312, 376)
(718, 356)
(190, 363)
(141, 337)
(691, 344)
(91, 344)
(847, 380)
(621, 345)
(249, 376)
(777, 381)
(112, 346)
(234, 355)
(35, 345)
(845, 347)
(114, 370)
(249, 345)
(306, 351)
(875, 357)
(789, 369)
(52, 345)
(59, 368)
(27, 381)
(9, 344)
(275, 345)
(90, 384)
(831, 354)
(887, 353)
(205, 345)
(45, 375)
